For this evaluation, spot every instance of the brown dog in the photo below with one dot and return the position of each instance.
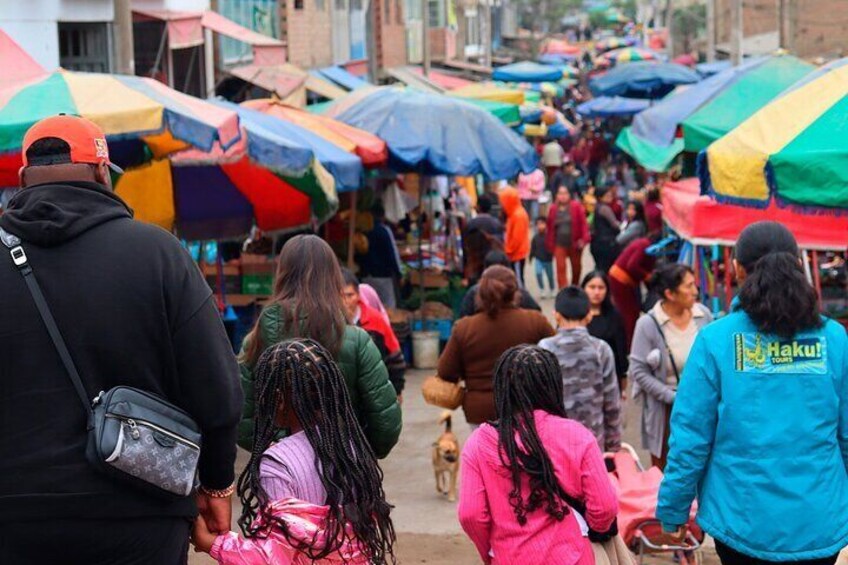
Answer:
(446, 459)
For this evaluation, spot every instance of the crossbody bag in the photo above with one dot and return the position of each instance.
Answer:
(133, 435)
(667, 348)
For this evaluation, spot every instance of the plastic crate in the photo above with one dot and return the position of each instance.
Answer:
(260, 284)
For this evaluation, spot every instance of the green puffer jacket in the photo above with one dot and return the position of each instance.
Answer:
(371, 393)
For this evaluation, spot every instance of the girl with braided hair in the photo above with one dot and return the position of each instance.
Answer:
(315, 496)
(533, 480)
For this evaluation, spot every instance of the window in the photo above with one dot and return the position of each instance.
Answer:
(84, 47)
(298, 4)
(435, 13)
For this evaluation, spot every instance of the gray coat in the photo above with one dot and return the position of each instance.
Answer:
(649, 372)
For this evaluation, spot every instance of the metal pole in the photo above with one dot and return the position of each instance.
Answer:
(425, 34)
(711, 30)
(170, 56)
(736, 31)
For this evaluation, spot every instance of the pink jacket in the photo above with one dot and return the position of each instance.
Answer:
(531, 186)
(488, 518)
(304, 521)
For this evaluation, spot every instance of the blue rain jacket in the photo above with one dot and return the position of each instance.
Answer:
(760, 437)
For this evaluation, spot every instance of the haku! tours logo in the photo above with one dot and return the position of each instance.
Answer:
(768, 354)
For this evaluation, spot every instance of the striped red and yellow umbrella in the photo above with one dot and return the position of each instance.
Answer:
(629, 55)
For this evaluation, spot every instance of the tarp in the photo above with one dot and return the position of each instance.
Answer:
(16, 64)
(709, 69)
(643, 79)
(746, 95)
(653, 138)
(483, 91)
(434, 134)
(560, 47)
(509, 114)
(277, 79)
(342, 77)
(414, 80)
(608, 106)
(527, 71)
(793, 149)
(556, 58)
(445, 80)
(629, 55)
(185, 29)
(704, 221)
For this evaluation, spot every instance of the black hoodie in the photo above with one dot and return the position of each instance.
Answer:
(134, 310)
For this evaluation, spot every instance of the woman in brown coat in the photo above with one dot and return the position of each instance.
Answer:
(478, 341)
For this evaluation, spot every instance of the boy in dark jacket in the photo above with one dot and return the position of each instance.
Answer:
(543, 258)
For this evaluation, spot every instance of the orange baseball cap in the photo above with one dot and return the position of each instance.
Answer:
(85, 138)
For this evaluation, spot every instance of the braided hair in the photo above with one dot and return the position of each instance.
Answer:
(527, 378)
(299, 378)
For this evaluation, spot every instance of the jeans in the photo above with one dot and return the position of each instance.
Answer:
(545, 268)
(532, 207)
(518, 267)
(731, 557)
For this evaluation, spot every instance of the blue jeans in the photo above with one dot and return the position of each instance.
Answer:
(544, 268)
(532, 208)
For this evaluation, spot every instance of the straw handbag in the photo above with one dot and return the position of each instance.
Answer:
(441, 393)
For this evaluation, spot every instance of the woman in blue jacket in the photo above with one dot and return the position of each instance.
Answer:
(759, 430)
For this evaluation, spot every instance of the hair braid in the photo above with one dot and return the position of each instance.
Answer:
(527, 378)
(301, 376)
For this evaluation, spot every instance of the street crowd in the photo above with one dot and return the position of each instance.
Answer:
(747, 413)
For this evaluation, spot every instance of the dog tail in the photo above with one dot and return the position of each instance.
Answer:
(446, 419)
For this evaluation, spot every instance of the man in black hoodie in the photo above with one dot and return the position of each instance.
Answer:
(134, 310)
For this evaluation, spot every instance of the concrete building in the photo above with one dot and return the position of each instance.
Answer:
(75, 34)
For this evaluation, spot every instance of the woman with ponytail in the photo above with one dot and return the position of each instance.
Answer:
(759, 431)
(533, 480)
(478, 341)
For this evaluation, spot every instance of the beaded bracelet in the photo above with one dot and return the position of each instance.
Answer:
(219, 493)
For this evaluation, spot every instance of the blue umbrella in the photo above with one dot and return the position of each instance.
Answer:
(265, 132)
(557, 58)
(434, 134)
(527, 71)
(710, 69)
(643, 79)
(612, 106)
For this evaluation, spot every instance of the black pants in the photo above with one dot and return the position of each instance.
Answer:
(518, 267)
(142, 541)
(731, 557)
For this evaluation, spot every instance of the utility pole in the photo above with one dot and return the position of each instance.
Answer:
(371, 26)
(711, 30)
(123, 32)
(736, 31)
(791, 26)
(487, 33)
(425, 35)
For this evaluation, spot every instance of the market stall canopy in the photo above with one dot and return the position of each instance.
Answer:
(792, 149)
(733, 105)
(560, 47)
(342, 77)
(266, 50)
(134, 112)
(643, 79)
(527, 71)
(653, 139)
(629, 55)
(438, 135)
(414, 80)
(709, 69)
(610, 106)
(509, 114)
(446, 80)
(16, 64)
(484, 91)
(368, 147)
(287, 81)
(556, 59)
(704, 221)
(611, 43)
(687, 60)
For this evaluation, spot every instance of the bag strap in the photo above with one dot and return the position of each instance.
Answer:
(19, 258)
(667, 348)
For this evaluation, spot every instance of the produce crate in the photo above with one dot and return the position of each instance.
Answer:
(259, 284)
(442, 326)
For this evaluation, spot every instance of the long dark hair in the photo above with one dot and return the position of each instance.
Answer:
(527, 378)
(606, 305)
(776, 293)
(309, 288)
(300, 376)
(498, 290)
(640, 211)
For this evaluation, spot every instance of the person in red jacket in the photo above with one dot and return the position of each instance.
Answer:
(517, 242)
(567, 235)
(632, 267)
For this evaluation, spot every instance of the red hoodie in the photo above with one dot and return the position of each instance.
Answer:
(517, 244)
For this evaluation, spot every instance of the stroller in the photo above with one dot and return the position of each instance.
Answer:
(637, 496)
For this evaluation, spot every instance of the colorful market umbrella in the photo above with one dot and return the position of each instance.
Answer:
(612, 106)
(434, 134)
(643, 79)
(272, 178)
(560, 47)
(509, 114)
(748, 94)
(629, 55)
(654, 139)
(610, 43)
(16, 63)
(556, 59)
(137, 114)
(369, 148)
(527, 71)
(484, 91)
(792, 149)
